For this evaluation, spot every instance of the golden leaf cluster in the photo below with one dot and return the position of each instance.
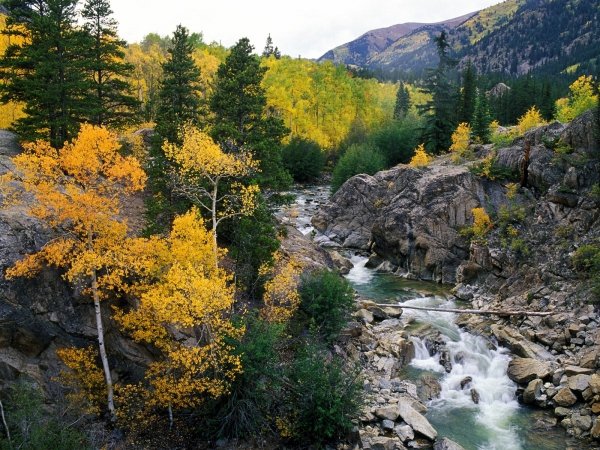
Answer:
(460, 142)
(420, 158)
(281, 296)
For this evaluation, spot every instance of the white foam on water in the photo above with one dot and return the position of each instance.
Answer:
(360, 274)
(471, 356)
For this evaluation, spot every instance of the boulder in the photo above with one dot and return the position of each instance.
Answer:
(594, 383)
(447, 444)
(387, 412)
(584, 423)
(595, 431)
(417, 421)
(533, 391)
(579, 383)
(523, 370)
(565, 397)
(404, 432)
(519, 345)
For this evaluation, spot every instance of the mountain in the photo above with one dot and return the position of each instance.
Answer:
(360, 51)
(514, 37)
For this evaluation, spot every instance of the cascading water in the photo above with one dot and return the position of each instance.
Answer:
(478, 369)
(497, 422)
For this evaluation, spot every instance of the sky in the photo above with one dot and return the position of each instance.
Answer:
(306, 28)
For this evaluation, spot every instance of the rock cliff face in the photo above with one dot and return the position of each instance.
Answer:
(413, 217)
(42, 314)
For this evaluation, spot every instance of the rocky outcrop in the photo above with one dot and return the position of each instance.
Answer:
(410, 217)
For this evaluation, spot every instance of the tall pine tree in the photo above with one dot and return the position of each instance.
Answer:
(113, 105)
(270, 50)
(440, 115)
(178, 105)
(240, 116)
(402, 102)
(47, 72)
(467, 94)
(178, 99)
(480, 123)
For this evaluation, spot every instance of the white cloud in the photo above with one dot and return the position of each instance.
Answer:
(307, 27)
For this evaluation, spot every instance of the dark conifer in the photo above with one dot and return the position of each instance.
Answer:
(113, 103)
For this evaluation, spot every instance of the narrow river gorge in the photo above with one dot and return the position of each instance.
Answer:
(474, 401)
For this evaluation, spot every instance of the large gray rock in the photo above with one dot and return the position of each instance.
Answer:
(533, 391)
(519, 345)
(417, 421)
(523, 370)
(447, 444)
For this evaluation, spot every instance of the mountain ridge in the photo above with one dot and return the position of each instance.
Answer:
(513, 37)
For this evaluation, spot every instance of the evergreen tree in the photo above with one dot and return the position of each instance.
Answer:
(480, 123)
(440, 116)
(178, 105)
(240, 115)
(270, 50)
(47, 71)
(178, 100)
(546, 102)
(467, 94)
(402, 102)
(113, 105)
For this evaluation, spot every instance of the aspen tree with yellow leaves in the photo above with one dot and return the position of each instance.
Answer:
(201, 167)
(183, 309)
(77, 191)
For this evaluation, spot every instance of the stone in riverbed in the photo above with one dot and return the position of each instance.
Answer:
(382, 443)
(387, 424)
(387, 412)
(584, 423)
(447, 444)
(475, 396)
(576, 370)
(579, 383)
(418, 422)
(596, 430)
(365, 315)
(523, 370)
(565, 397)
(404, 432)
(595, 383)
(533, 391)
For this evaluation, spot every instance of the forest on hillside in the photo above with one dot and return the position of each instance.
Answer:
(239, 336)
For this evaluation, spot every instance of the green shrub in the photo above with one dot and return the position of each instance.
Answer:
(363, 158)
(256, 393)
(31, 425)
(327, 300)
(324, 396)
(586, 260)
(303, 159)
(396, 140)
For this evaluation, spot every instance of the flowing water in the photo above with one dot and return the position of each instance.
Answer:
(498, 421)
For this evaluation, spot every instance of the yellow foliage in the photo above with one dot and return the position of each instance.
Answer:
(531, 119)
(581, 98)
(78, 190)
(201, 166)
(511, 190)
(421, 158)
(281, 295)
(322, 102)
(494, 126)
(482, 223)
(184, 302)
(11, 111)
(460, 142)
(84, 377)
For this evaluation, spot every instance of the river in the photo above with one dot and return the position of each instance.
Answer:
(498, 421)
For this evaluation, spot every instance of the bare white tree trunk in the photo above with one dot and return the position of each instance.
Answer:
(102, 348)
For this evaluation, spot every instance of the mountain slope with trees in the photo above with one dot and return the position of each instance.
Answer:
(512, 37)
